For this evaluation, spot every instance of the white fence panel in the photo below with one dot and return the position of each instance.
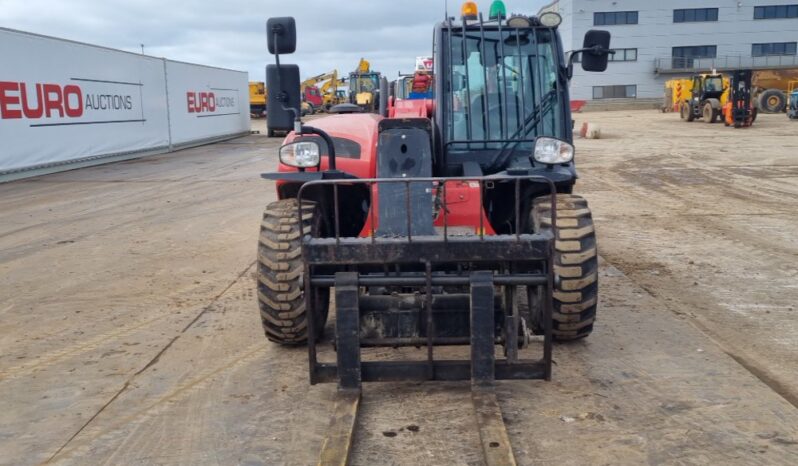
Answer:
(206, 102)
(63, 101)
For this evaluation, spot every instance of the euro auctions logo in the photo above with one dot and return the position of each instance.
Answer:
(45, 101)
(217, 102)
(201, 102)
(52, 104)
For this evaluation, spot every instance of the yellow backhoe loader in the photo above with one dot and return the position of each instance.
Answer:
(364, 87)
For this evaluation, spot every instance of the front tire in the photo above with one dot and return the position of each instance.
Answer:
(575, 300)
(688, 113)
(710, 114)
(280, 273)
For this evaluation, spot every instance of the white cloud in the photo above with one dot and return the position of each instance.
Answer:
(231, 33)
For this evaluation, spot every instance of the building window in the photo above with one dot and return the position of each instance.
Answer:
(624, 55)
(693, 15)
(773, 48)
(615, 92)
(620, 55)
(683, 56)
(611, 18)
(696, 51)
(776, 11)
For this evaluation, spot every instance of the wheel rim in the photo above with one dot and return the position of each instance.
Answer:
(773, 101)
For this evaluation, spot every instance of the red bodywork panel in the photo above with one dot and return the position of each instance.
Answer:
(462, 197)
(462, 202)
(412, 108)
(359, 127)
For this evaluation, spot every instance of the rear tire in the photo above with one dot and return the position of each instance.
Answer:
(280, 273)
(575, 262)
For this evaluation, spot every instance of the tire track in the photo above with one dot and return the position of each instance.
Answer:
(748, 362)
(105, 433)
(181, 388)
(92, 344)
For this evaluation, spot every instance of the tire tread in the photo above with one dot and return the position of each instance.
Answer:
(576, 292)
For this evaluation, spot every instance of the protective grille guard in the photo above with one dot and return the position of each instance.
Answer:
(429, 251)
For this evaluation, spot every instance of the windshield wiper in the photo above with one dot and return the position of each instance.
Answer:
(532, 122)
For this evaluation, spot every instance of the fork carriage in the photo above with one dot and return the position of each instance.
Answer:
(393, 288)
(438, 289)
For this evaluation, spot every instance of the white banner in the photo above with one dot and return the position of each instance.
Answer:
(206, 102)
(63, 101)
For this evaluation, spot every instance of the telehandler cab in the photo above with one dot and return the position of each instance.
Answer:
(707, 98)
(452, 223)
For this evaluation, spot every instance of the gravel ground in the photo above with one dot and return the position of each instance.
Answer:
(129, 330)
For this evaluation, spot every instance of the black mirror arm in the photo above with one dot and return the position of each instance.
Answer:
(327, 139)
(282, 96)
(276, 30)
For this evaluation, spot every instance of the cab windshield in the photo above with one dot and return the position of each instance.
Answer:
(502, 89)
(714, 84)
(365, 82)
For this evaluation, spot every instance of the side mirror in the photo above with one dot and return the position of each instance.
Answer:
(281, 35)
(283, 105)
(596, 50)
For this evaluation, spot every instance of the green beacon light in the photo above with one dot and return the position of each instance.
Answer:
(497, 10)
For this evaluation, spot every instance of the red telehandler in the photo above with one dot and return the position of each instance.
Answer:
(454, 223)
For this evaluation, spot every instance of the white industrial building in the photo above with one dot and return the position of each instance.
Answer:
(658, 40)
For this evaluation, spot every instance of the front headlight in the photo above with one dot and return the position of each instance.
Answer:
(553, 151)
(303, 154)
(550, 19)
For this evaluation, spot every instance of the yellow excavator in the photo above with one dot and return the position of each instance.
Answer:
(364, 87)
(324, 97)
(330, 93)
(259, 95)
(257, 99)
